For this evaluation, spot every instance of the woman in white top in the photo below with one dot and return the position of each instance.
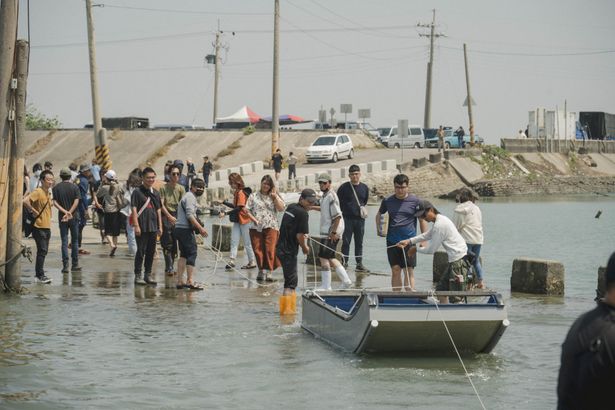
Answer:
(468, 220)
(263, 206)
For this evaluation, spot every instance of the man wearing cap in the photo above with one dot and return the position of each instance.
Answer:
(332, 227)
(401, 209)
(353, 196)
(587, 372)
(84, 189)
(442, 233)
(66, 198)
(206, 170)
(294, 234)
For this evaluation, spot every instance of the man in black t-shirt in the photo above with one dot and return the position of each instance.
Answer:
(276, 161)
(293, 234)
(66, 198)
(147, 221)
(206, 169)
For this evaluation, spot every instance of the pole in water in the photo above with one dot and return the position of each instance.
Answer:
(598, 214)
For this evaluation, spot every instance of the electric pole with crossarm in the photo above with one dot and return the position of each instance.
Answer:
(432, 35)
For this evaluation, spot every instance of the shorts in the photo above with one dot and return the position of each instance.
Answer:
(289, 268)
(328, 250)
(187, 245)
(455, 277)
(396, 256)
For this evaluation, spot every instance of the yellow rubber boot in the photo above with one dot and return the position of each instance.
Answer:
(292, 304)
(283, 304)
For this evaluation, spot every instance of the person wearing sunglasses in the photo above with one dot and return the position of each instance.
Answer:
(171, 193)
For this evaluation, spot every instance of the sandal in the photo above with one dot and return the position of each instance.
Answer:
(195, 286)
(249, 266)
(112, 253)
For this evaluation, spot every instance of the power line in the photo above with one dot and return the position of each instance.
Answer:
(216, 13)
(503, 53)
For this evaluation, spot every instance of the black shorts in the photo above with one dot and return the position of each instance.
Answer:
(289, 268)
(112, 223)
(187, 245)
(328, 250)
(396, 256)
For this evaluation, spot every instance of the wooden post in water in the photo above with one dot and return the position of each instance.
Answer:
(8, 33)
(14, 246)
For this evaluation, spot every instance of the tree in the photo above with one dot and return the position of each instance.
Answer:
(35, 120)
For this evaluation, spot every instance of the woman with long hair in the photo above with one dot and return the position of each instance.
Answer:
(264, 205)
(241, 222)
(133, 182)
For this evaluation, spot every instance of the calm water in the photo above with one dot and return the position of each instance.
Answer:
(97, 342)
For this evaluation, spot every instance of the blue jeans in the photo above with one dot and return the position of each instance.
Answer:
(475, 249)
(71, 226)
(354, 227)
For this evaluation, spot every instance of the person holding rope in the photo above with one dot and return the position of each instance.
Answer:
(186, 225)
(442, 233)
(294, 234)
(332, 226)
(401, 208)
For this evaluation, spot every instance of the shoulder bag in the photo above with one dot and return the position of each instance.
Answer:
(362, 208)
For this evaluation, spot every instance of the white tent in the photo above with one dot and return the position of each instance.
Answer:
(244, 115)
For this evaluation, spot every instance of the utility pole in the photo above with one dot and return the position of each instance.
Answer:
(14, 247)
(8, 33)
(469, 101)
(275, 114)
(103, 156)
(432, 35)
(216, 72)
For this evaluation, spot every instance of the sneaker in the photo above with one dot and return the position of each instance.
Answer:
(75, 268)
(261, 276)
(361, 268)
(268, 277)
(230, 265)
(139, 280)
(147, 279)
(43, 279)
(65, 267)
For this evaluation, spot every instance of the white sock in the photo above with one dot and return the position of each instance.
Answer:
(326, 279)
(341, 273)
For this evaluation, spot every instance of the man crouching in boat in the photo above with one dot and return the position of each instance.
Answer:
(443, 232)
(587, 372)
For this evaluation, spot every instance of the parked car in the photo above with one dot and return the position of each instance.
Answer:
(451, 140)
(330, 148)
(383, 134)
(415, 138)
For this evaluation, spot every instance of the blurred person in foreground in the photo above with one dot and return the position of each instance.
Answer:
(587, 371)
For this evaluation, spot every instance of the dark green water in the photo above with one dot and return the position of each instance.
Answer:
(94, 341)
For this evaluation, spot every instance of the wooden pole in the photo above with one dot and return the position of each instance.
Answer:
(14, 247)
(8, 34)
(275, 114)
(465, 58)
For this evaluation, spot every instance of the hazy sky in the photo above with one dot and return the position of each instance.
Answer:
(523, 54)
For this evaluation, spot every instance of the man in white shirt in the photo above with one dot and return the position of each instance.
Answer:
(331, 226)
(443, 232)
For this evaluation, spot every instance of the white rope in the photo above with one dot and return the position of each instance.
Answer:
(432, 294)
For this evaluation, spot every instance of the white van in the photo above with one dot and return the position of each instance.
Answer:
(415, 138)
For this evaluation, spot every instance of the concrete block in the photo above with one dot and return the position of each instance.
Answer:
(221, 237)
(435, 158)
(257, 166)
(245, 169)
(315, 246)
(344, 172)
(309, 180)
(221, 174)
(389, 165)
(601, 288)
(419, 162)
(440, 265)
(374, 167)
(363, 167)
(221, 193)
(335, 174)
(211, 194)
(538, 276)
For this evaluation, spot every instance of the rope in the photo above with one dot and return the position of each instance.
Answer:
(432, 295)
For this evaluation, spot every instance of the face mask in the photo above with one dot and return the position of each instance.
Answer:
(38, 173)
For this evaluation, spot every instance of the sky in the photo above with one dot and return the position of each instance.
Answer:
(522, 55)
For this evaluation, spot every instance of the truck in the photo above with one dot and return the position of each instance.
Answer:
(598, 125)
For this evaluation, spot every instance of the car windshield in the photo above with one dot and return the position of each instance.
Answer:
(325, 140)
(384, 131)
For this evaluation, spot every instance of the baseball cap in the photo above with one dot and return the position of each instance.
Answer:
(65, 172)
(422, 208)
(178, 163)
(324, 178)
(111, 174)
(309, 195)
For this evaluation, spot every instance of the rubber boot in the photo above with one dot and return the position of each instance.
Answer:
(291, 308)
(283, 304)
(326, 279)
(343, 275)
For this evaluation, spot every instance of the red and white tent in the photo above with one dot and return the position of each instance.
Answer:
(244, 115)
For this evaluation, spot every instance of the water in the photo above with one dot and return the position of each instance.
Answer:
(97, 342)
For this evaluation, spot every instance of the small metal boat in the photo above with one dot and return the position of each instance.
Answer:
(365, 321)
